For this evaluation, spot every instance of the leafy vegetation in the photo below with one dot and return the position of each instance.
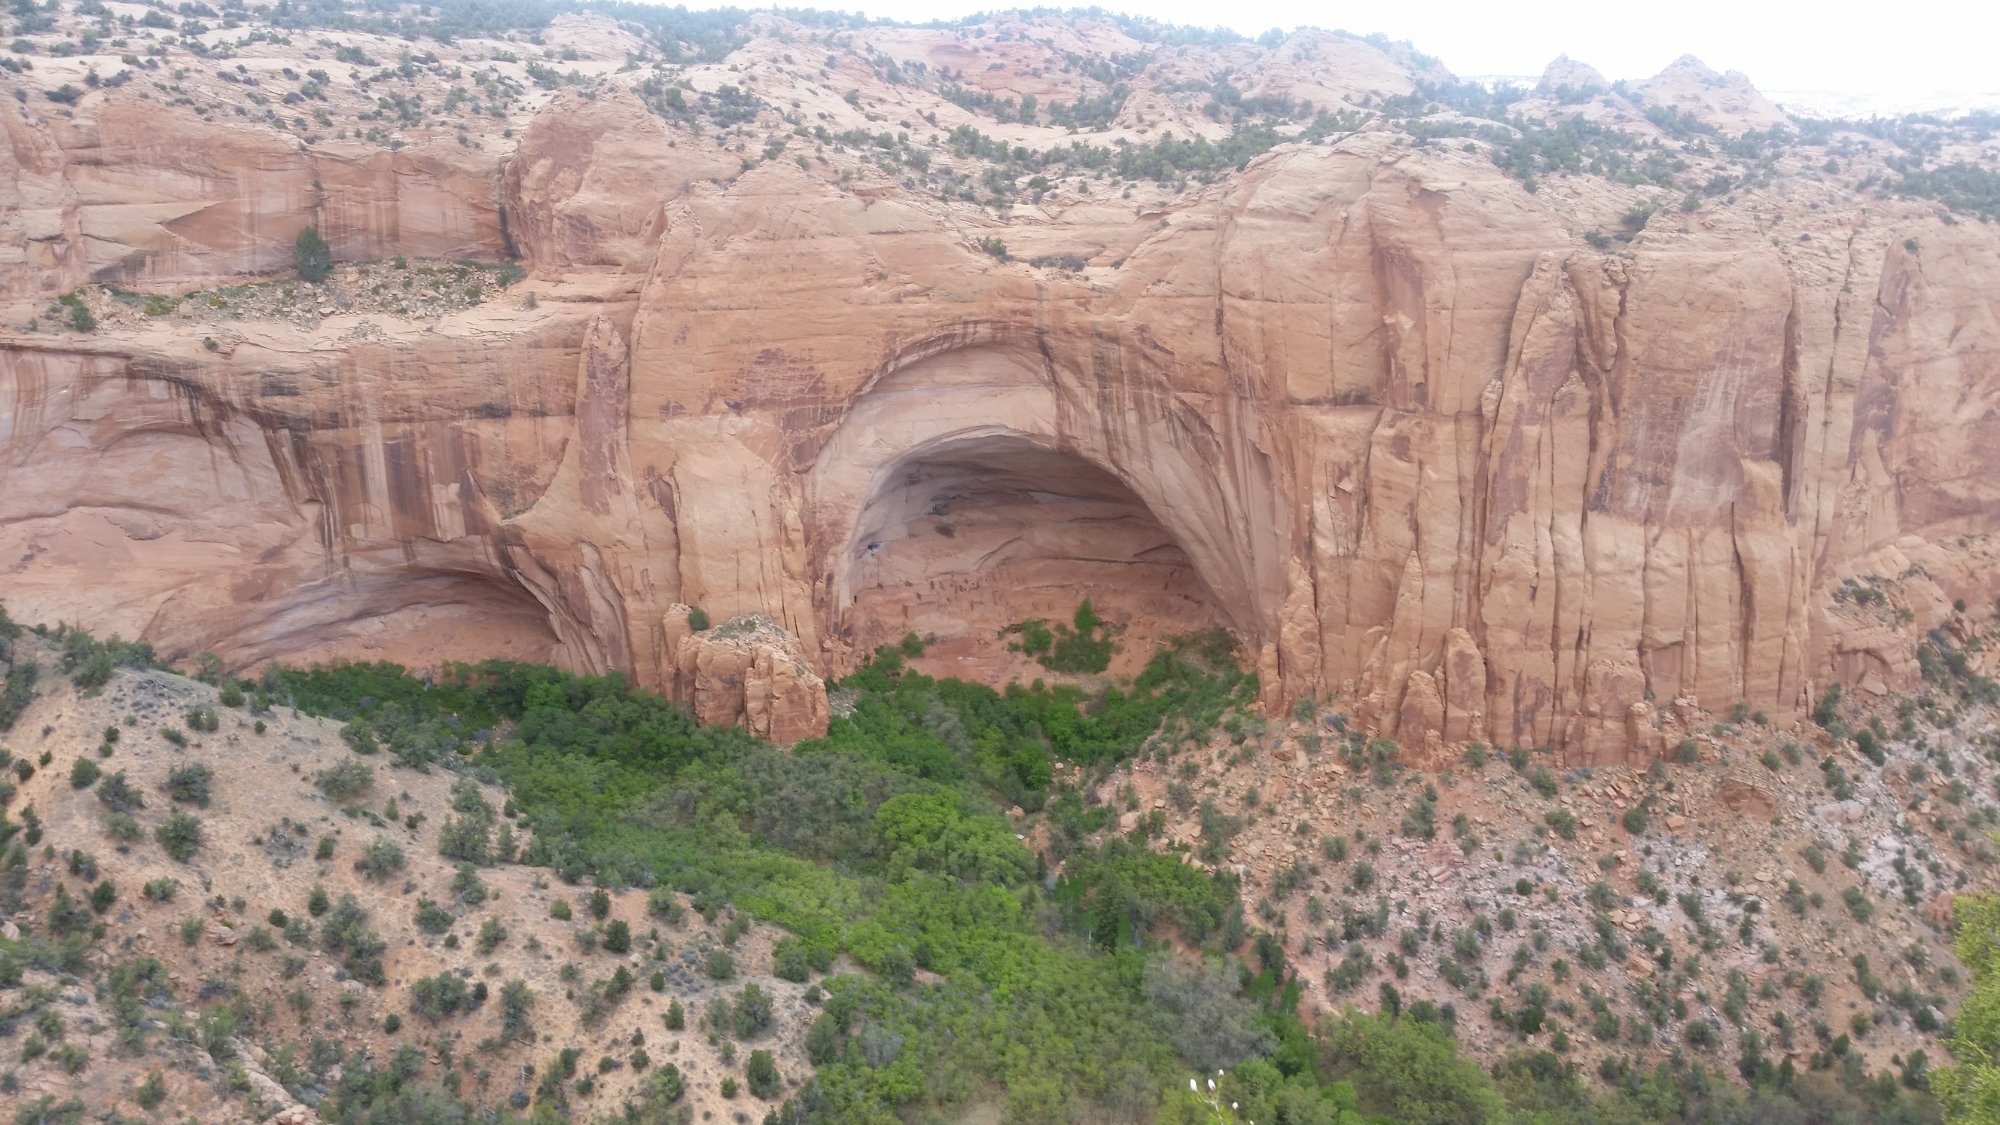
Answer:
(884, 841)
(180, 836)
(311, 256)
(1970, 1090)
(1086, 648)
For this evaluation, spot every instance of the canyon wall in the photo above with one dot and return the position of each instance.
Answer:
(1373, 408)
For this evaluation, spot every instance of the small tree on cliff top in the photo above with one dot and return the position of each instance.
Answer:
(312, 256)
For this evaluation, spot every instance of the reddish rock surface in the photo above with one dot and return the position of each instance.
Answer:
(1380, 412)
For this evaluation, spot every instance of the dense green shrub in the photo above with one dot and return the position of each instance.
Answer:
(345, 780)
(761, 1075)
(789, 960)
(1087, 647)
(180, 835)
(432, 918)
(344, 930)
(437, 997)
(311, 256)
(380, 859)
(190, 782)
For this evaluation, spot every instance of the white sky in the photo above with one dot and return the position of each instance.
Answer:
(1906, 47)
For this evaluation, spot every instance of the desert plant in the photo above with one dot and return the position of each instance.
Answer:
(118, 794)
(80, 317)
(665, 903)
(762, 1075)
(191, 783)
(180, 835)
(380, 859)
(432, 918)
(311, 256)
(152, 1091)
(445, 994)
(720, 965)
(466, 837)
(751, 1013)
(346, 780)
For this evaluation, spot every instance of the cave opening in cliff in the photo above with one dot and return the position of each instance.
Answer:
(421, 618)
(963, 538)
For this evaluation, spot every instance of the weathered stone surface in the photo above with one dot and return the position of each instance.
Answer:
(750, 672)
(141, 194)
(1376, 410)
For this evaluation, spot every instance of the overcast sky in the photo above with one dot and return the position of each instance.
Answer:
(1911, 46)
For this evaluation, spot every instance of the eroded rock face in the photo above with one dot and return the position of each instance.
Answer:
(1376, 410)
(139, 194)
(748, 671)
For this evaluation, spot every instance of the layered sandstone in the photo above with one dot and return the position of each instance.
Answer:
(1373, 407)
(747, 670)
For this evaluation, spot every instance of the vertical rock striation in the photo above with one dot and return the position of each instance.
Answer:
(1375, 409)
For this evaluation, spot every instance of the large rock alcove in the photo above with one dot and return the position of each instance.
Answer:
(962, 537)
(980, 487)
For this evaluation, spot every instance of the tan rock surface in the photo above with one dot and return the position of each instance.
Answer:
(1374, 408)
(750, 672)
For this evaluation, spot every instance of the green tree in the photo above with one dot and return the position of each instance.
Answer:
(1970, 1090)
(312, 256)
(80, 317)
(180, 835)
(1408, 1070)
(762, 1074)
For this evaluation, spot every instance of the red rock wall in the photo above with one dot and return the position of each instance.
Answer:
(1427, 454)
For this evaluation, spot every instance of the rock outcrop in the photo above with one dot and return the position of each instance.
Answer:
(1565, 75)
(1384, 415)
(750, 672)
(1727, 101)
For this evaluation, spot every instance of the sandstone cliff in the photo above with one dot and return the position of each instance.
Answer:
(1426, 441)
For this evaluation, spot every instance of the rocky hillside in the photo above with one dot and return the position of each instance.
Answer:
(1498, 415)
(349, 894)
(230, 911)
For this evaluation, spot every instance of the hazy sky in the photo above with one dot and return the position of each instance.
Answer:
(1911, 46)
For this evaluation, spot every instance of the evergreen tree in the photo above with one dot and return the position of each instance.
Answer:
(312, 256)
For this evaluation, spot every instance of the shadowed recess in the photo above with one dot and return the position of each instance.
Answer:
(959, 539)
